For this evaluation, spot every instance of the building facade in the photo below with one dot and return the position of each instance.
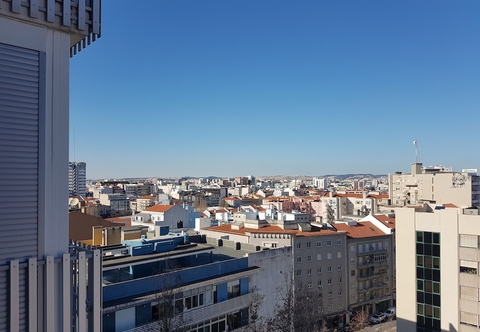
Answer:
(436, 184)
(77, 179)
(36, 289)
(438, 251)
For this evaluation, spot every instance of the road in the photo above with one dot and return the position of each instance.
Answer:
(383, 327)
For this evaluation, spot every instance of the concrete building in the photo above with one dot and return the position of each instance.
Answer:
(77, 179)
(320, 183)
(438, 286)
(37, 289)
(203, 287)
(318, 254)
(371, 263)
(116, 202)
(436, 184)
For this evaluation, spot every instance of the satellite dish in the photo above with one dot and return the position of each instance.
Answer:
(73, 201)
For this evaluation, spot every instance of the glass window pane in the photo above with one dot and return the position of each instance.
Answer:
(419, 236)
(420, 309)
(420, 260)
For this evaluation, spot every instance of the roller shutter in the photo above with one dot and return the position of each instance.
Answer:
(19, 149)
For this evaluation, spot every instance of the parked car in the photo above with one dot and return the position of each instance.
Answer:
(390, 312)
(377, 318)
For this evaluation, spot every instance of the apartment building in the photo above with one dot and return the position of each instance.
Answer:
(201, 286)
(370, 263)
(438, 285)
(435, 184)
(116, 202)
(77, 179)
(37, 39)
(318, 254)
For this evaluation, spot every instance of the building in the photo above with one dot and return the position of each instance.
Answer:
(320, 183)
(437, 250)
(36, 41)
(77, 179)
(317, 258)
(169, 280)
(371, 262)
(436, 184)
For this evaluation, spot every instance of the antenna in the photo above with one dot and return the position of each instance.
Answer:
(416, 150)
(74, 158)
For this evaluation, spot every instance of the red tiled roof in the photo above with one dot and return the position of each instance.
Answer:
(450, 205)
(380, 196)
(387, 221)
(360, 230)
(159, 208)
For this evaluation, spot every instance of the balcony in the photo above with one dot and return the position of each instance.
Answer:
(370, 263)
(362, 277)
(371, 252)
(218, 309)
(375, 286)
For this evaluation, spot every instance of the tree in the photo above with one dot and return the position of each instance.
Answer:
(298, 309)
(256, 323)
(168, 311)
(359, 321)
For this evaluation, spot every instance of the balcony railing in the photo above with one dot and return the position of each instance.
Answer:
(371, 263)
(371, 252)
(377, 285)
(361, 277)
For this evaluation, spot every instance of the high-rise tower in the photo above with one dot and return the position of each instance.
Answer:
(43, 284)
(77, 178)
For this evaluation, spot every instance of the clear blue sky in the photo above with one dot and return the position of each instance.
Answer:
(266, 87)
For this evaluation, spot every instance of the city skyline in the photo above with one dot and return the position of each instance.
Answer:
(277, 87)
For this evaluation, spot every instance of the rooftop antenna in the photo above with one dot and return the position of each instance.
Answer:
(74, 157)
(416, 150)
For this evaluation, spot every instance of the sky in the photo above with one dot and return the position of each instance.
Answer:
(277, 87)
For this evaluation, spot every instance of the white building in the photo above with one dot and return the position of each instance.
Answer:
(438, 285)
(435, 184)
(77, 178)
(37, 291)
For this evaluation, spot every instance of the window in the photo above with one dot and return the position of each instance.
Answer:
(319, 257)
(329, 269)
(309, 285)
(319, 244)
(339, 254)
(329, 255)
(299, 272)
(352, 273)
(329, 243)
(329, 281)
(360, 248)
(309, 244)
(319, 270)
(352, 248)
(330, 295)
(339, 242)
(330, 307)
(468, 241)
(470, 267)
(339, 280)
(340, 305)
(352, 260)
(309, 258)
(319, 283)
(233, 291)
(299, 245)
(299, 259)
(339, 293)
(309, 272)
(339, 268)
